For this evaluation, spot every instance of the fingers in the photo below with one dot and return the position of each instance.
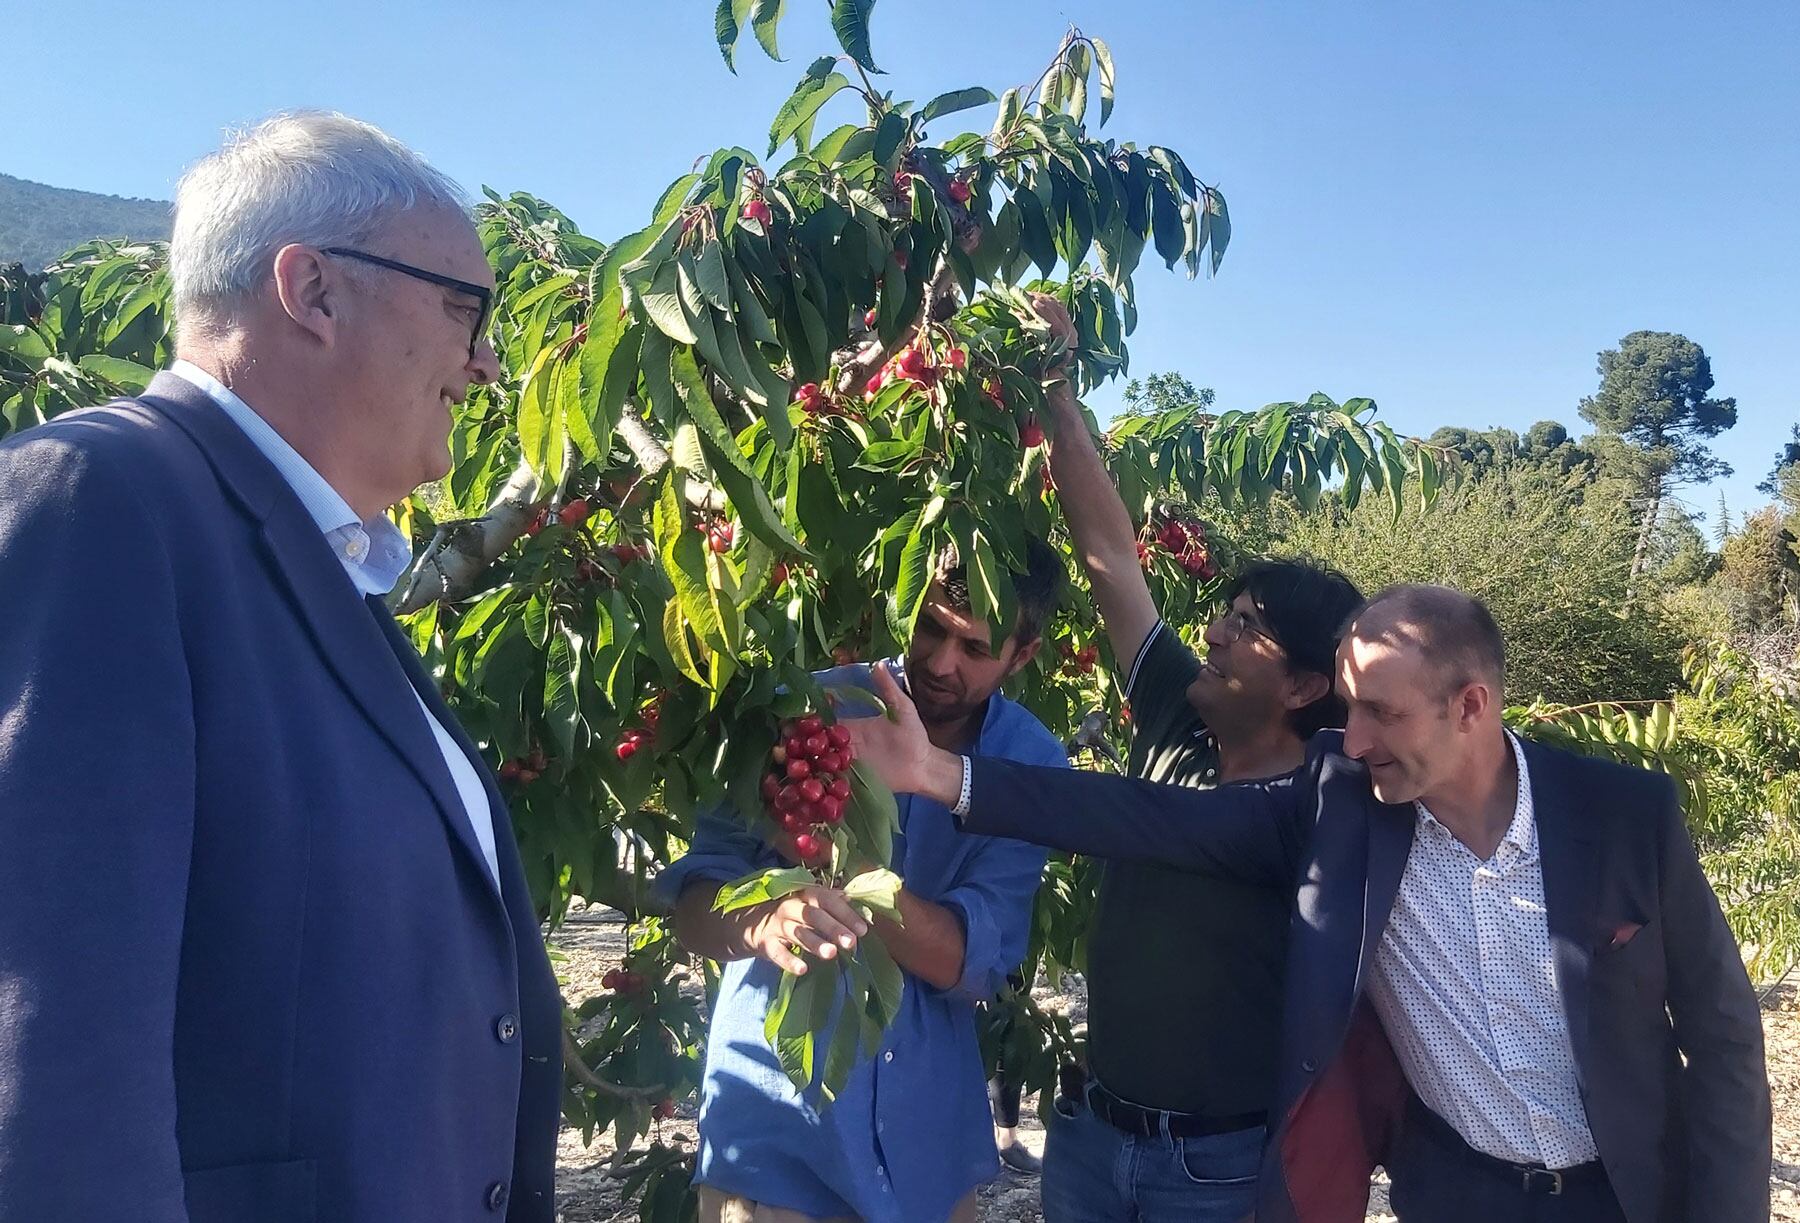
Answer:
(784, 958)
(889, 689)
(835, 910)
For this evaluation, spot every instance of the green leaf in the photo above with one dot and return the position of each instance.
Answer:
(1103, 57)
(25, 344)
(914, 579)
(1219, 220)
(728, 23)
(662, 302)
(127, 375)
(761, 888)
(764, 17)
(955, 100)
(602, 390)
(562, 709)
(890, 985)
(850, 21)
(709, 275)
(871, 816)
(540, 421)
(816, 88)
(879, 889)
(748, 496)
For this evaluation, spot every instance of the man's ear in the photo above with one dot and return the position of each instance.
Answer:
(1022, 655)
(1305, 688)
(1472, 704)
(310, 290)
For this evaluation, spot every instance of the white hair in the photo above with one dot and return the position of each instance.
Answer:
(313, 177)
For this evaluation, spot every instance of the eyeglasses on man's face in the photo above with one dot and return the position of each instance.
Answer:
(1234, 624)
(485, 296)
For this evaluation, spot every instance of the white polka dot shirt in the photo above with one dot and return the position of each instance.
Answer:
(1464, 986)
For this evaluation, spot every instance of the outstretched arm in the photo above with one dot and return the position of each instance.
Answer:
(1254, 831)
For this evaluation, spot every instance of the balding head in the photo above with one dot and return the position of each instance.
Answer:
(1453, 632)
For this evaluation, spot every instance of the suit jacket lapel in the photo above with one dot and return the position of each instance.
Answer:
(1390, 843)
(1568, 856)
(348, 638)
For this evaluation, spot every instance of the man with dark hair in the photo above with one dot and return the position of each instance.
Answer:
(909, 1137)
(1508, 980)
(1184, 981)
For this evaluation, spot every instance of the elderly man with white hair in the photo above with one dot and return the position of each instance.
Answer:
(267, 953)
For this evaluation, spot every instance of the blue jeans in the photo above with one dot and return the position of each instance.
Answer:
(1095, 1173)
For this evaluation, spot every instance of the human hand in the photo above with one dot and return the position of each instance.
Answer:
(818, 920)
(899, 751)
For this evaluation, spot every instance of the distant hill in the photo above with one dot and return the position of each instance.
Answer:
(38, 223)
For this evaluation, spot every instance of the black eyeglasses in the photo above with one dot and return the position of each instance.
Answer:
(480, 292)
(1234, 624)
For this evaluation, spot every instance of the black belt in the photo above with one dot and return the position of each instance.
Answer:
(1143, 1122)
(1532, 1179)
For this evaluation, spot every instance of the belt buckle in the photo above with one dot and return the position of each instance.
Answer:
(1543, 1180)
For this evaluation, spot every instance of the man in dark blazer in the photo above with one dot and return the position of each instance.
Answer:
(267, 953)
(1525, 935)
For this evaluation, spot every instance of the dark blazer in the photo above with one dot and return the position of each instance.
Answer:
(1646, 966)
(253, 967)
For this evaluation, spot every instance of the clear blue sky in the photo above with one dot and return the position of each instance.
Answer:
(1450, 208)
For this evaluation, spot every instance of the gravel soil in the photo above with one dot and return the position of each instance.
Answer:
(593, 941)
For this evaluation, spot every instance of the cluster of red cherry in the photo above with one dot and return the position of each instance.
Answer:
(808, 784)
(1185, 540)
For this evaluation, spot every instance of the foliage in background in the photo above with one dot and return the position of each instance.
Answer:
(38, 222)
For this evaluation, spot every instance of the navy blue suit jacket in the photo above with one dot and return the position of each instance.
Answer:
(253, 967)
(1664, 1025)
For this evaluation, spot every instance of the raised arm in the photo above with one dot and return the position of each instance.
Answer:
(1102, 528)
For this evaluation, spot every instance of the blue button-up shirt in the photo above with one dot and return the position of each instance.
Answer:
(911, 1134)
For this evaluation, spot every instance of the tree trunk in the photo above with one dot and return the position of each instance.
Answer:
(1642, 552)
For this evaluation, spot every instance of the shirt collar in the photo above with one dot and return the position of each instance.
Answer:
(1521, 834)
(373, 551)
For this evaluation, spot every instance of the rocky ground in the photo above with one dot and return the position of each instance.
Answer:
(593, 942)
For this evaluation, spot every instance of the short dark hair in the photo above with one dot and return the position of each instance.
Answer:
(1039, 588)
(1455, 632)
(1306, 607)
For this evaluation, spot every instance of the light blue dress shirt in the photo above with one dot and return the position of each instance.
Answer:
(911, 1134)
(374, 553)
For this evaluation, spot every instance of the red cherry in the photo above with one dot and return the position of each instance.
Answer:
(610, 980)
(830, 762)
(816, 743)
(1031, 433)
(807, 845)
(869, 318)
(626, 749)
(956, 358)
(625, 554)
(509, 771)
(911, 363)
(536, 524)
(794, 821)
(812, 789)
(875, 383)
(798, 770)
(771, 786)
(575, 512)
(663, 1110)
(840, 789)
(839, 734)
(788, 799)
(808, 390)
(832, 808)
(795, 746)
(960, 191)
(812, 813)
(843, 655)
(757, 210)
(719, 543)
(811, 724)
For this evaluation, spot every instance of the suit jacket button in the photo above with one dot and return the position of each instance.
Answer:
(507, 1029)
(1309, 1065)
(496, 1196)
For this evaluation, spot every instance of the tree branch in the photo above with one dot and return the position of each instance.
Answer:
(584, 1075)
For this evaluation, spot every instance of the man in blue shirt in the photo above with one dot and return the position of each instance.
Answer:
(910, 1136)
